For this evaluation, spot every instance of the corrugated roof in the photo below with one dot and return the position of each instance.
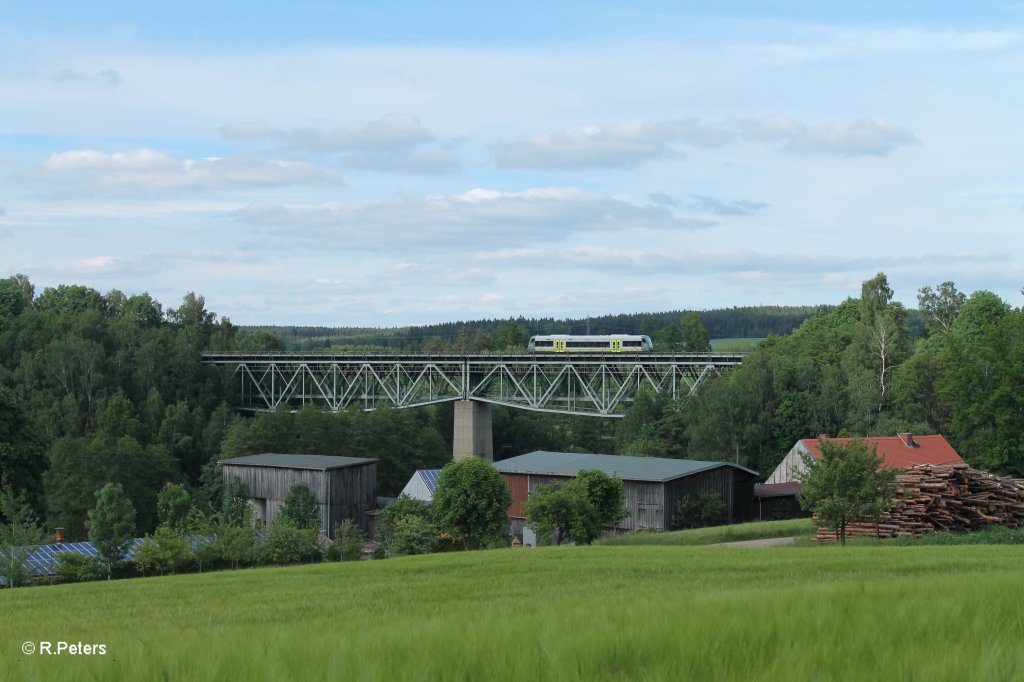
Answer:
(317, 462)
(897, 454)
(627, 468)
(776, 489)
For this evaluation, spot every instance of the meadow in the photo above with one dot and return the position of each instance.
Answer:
(735, 345)
(564, 613)
(716, 534)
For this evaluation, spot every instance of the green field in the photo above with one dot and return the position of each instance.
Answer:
(716, 534)
(586, 613)
(734, 345)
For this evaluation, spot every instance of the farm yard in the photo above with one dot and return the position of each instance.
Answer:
(568, 613)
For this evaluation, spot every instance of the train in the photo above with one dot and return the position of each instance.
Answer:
(608, 343)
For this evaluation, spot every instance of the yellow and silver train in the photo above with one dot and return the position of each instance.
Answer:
(610, 343)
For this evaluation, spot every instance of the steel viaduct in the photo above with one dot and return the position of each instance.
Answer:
(594, 384)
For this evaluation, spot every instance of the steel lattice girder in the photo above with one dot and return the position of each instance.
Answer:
(600, 386)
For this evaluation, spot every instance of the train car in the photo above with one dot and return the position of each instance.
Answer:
(609, 343)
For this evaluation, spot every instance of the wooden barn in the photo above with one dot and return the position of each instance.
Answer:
(345, 487)
(654, 485)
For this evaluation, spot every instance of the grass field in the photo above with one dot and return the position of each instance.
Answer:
(734, 345)
(586, 613)
(717, 534)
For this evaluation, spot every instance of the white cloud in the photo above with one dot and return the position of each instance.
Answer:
(392, 144)
(143, 171)
(479, 216)
(622, 145)
(614, 145)
(866, 137)
(721, 206)
(667, 262)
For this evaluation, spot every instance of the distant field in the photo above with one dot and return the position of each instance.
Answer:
(734, 345)
(711, 536)
(569, 613)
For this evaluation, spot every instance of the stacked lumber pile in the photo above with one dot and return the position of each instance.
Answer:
(944, 498)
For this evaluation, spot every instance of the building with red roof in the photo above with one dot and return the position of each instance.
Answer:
(898, 452)
(776, 497)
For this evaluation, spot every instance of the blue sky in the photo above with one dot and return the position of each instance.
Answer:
(331, 163)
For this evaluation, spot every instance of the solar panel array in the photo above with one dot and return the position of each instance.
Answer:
(41, 561)
(429, 477)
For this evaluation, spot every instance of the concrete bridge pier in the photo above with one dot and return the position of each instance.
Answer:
(473, 435)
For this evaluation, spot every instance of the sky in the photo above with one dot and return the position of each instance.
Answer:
(395, 163)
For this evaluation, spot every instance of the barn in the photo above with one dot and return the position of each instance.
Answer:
(344, 487)
(776, 497)
(654, 485)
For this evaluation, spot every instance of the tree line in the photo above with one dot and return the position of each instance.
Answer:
(858, 370)
(109, 388)
(500, 335)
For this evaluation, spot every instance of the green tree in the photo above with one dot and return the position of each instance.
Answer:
(19, 531)
(695, 337)
(940, 306)
(301, 508)
(552, 511)
(111, 524)
(236, 512)
(260, 341)
(847, 485)
(174, 507)
(579, 508)
(982, 363)
(471, 503)
(22, 457)
(607, 495)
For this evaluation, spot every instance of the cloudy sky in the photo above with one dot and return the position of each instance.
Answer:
(342, 164)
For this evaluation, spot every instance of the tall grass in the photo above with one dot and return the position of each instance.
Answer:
(758, 530)
(579, 613)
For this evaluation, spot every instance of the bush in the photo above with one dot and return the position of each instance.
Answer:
(167, 551)
(413, 535)
(79, 568)
(405, 527)
(287, 544)
(350, 539)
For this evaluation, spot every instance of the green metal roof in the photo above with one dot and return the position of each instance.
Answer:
(318, 462)
(659, 469)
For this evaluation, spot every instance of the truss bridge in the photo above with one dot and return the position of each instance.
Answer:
(595, 384)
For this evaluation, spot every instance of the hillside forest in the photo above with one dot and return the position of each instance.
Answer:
(98, 388)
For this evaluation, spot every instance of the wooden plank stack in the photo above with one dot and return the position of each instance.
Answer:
(944, 498)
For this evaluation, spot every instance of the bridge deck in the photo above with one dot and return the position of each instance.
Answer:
(594, 383)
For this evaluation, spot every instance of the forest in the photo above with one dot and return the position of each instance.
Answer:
(98, 388)
(502, 335)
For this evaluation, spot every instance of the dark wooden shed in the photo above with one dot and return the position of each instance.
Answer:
(345, 487)
(653, 485)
